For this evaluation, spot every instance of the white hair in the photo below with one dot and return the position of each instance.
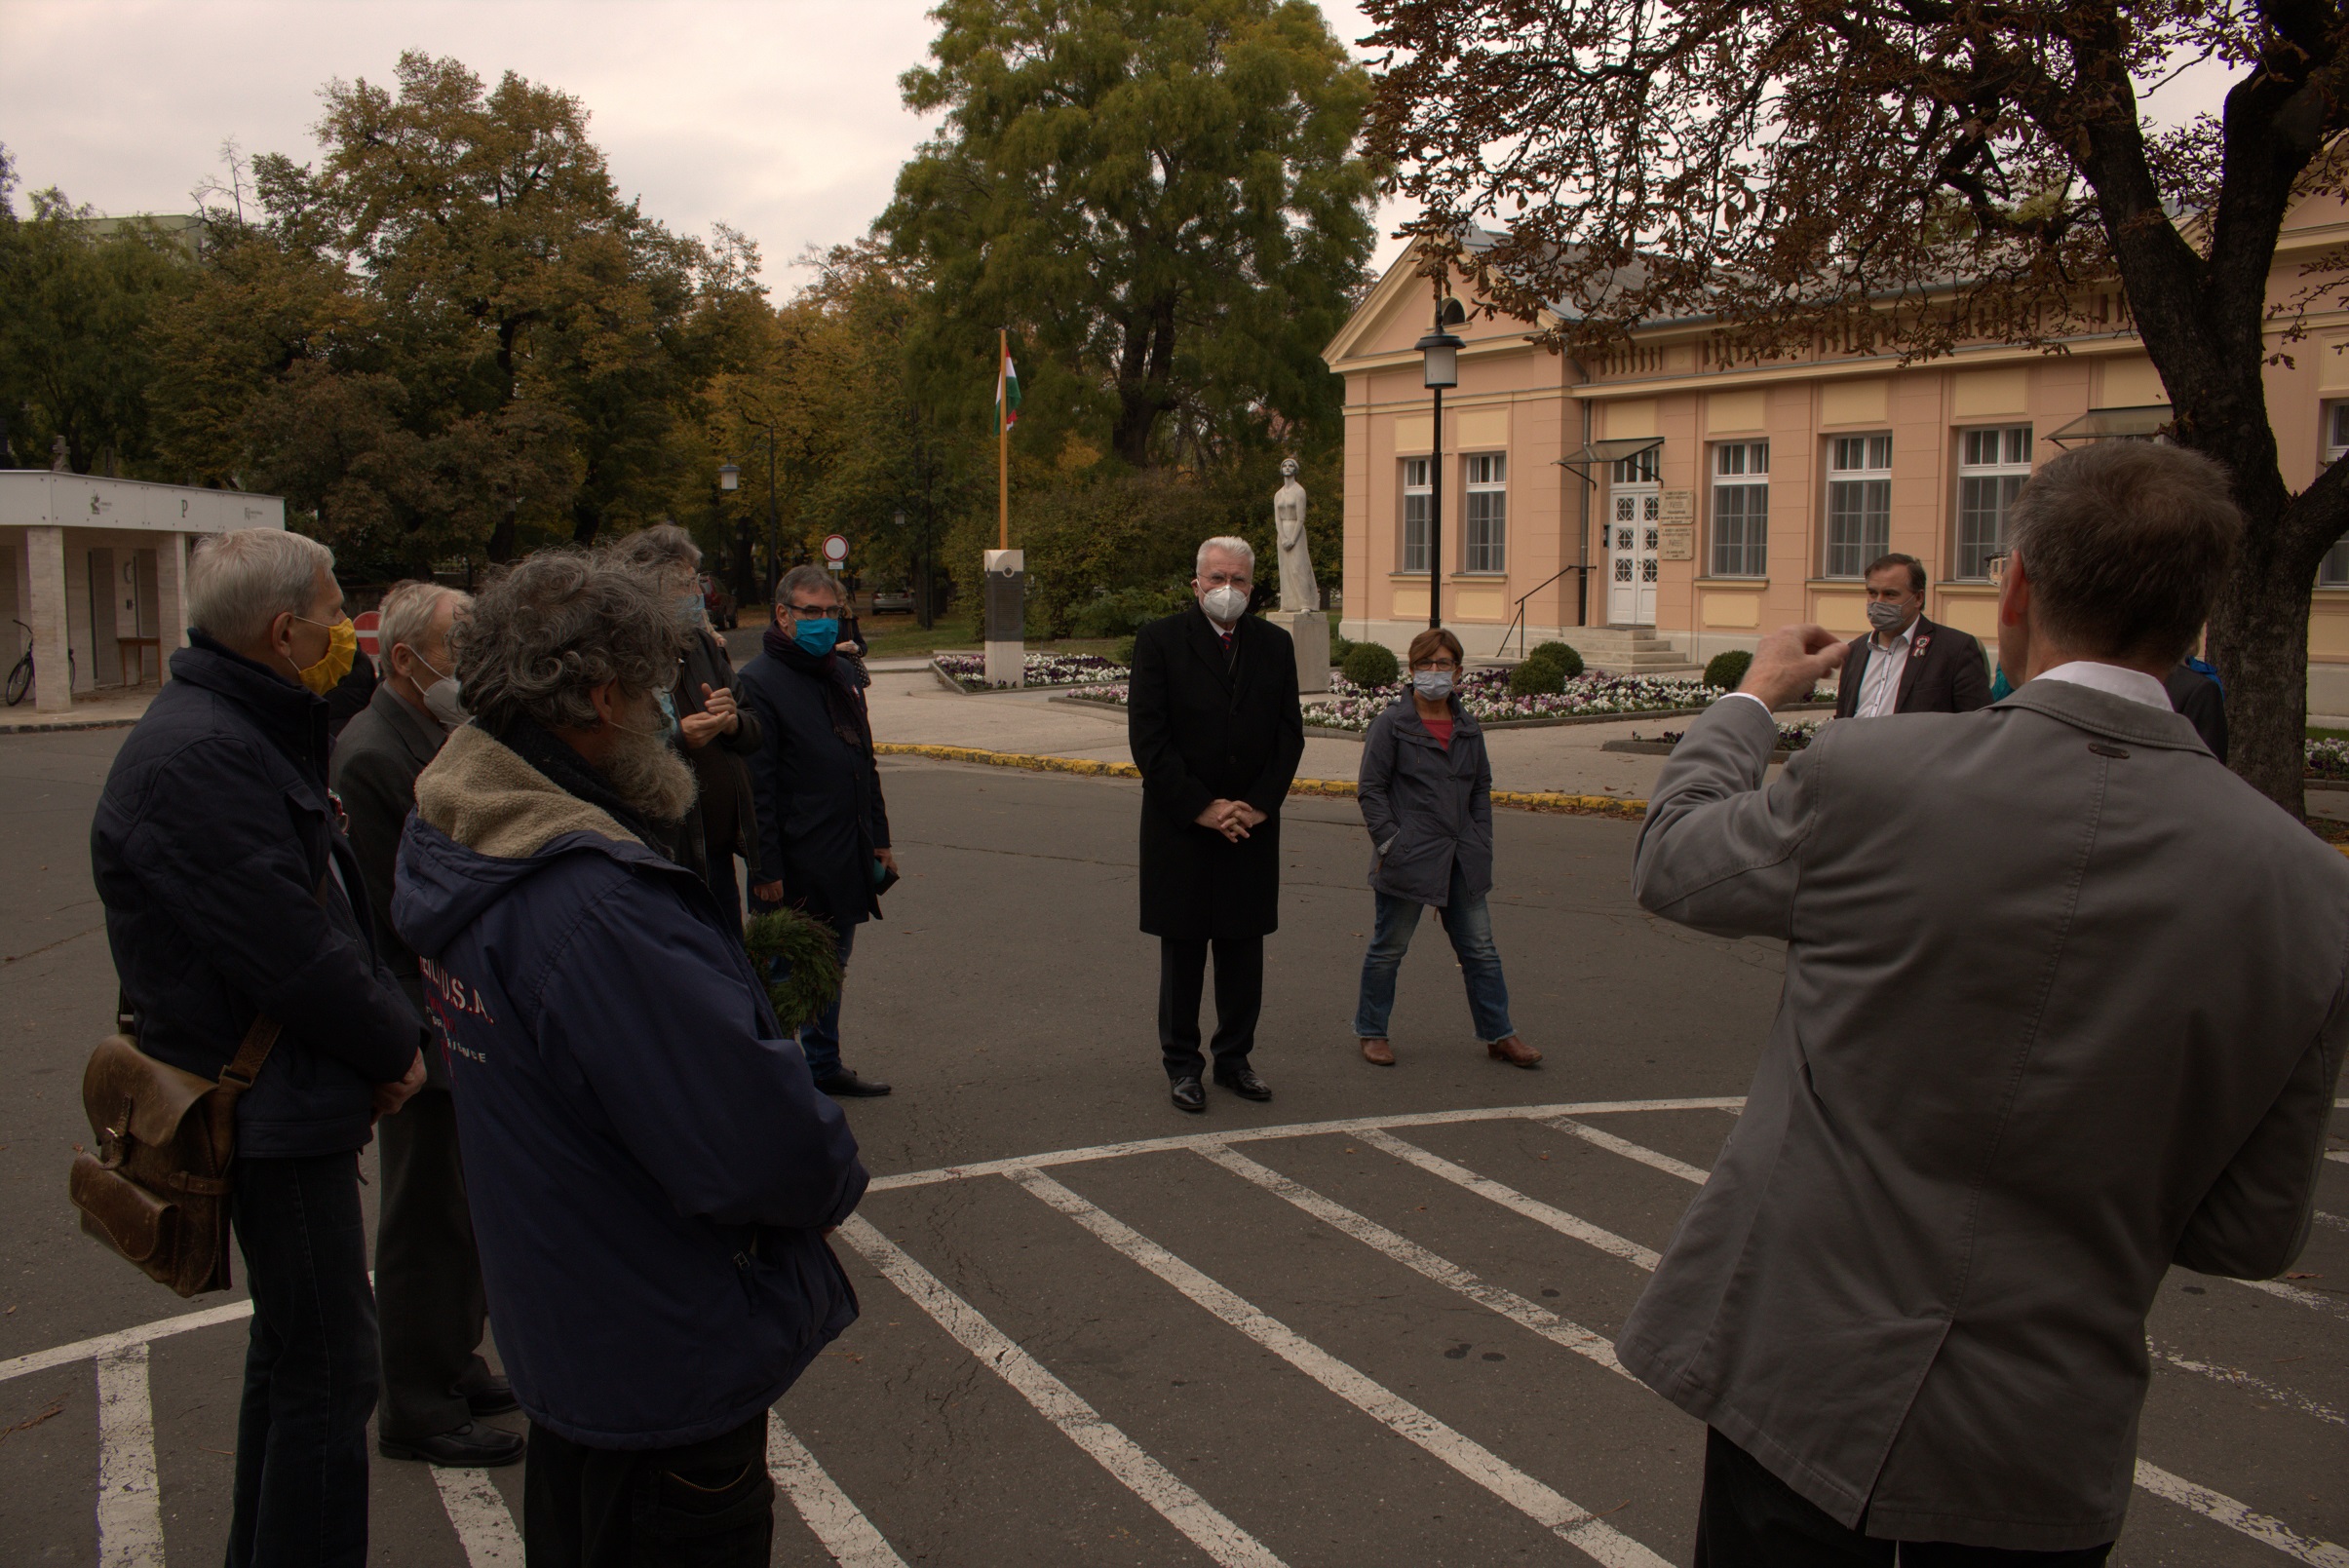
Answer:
(1230, 546)
(243, 580)
(407, 616)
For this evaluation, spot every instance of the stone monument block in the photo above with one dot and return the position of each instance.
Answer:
(1309, 630)
(1006, 617)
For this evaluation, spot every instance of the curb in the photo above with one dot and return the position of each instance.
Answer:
(1541, 800)
(65, 726)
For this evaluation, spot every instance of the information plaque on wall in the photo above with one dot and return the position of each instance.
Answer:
(1678, 506)
(1676, 541)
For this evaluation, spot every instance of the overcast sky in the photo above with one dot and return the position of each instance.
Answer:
(780, 117)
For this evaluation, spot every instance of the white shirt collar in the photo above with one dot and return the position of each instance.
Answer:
(2134, 684)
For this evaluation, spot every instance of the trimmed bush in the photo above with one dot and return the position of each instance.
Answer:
(1340, 645)
(1538, 676)
(1726, 670)
(1370, 663)
(1560, 655)
(1122, 653)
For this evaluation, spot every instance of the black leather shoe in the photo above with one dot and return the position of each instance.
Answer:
(494, 1398)
(846, 1085)
(472, 1446)
(1243, 1082)
(1187, 1095)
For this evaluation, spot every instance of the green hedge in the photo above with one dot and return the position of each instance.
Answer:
(1726, 670)
(1562, 655)
(1370, 663)
(1538, 676)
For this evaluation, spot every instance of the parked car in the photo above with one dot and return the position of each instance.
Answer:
(898, 601)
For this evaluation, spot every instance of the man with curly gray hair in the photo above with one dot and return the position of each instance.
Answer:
(650, 1167)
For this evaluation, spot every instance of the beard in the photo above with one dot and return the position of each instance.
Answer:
(646, 773)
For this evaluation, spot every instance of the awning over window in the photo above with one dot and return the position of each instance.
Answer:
(2139, 424)
(1607, 451)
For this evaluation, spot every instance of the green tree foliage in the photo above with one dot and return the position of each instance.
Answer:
(76, 291)
(452, 337)
(1162, 196)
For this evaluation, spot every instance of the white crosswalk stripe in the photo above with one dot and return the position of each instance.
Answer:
(130, 1510)
(131, 1527)
(837, 1522)
(1570, 1521)
(1118, 1454)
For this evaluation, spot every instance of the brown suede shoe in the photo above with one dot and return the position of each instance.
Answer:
(1514, 1051)
(1378, 1052)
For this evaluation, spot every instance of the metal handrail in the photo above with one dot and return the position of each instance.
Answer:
(1518, 623)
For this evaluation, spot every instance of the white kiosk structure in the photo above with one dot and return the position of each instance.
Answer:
(97, 569)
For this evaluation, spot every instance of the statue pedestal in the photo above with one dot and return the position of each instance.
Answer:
(1006, 615)
(1309, 630)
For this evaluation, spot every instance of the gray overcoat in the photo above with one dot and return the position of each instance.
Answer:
(1426, 807)
(2065, 1004)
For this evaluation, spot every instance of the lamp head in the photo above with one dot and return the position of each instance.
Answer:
(1439, 353)
(729, 477)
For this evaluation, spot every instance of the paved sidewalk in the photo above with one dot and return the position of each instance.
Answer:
(915, 707)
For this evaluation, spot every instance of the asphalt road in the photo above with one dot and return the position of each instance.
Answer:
(1365, 1323)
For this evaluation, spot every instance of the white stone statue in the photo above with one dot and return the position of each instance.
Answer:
(1298, 593)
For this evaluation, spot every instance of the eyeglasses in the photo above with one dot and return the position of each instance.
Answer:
(1438, 664)
(818, 610)
(1226, 579)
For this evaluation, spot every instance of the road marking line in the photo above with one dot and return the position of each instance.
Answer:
(2336, 1221)
(130, 1509)
(485, 1525)
(2314, 1301)
(2342, 1155)
(2237, 1515)
(83, 1350)
(1184, 1143)
(1568, 1520)
(1411, 1255)
(1508, 1197)
(2254, 1384)
(1630, 1150)
(836, 1521)
(1115, 1452)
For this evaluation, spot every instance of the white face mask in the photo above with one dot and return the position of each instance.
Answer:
(440, 698)
(1225, 604)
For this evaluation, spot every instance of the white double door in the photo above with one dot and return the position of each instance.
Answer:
(1630, 550)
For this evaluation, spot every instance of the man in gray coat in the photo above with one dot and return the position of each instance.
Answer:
(2065, 1004)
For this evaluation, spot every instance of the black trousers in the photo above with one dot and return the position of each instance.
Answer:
(1750, 1518)
(1239, 998)
(708, 1504)
(428, 1275)
(301, 1492)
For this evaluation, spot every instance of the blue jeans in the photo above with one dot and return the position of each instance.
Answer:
(301, 1493)
(1468, 922)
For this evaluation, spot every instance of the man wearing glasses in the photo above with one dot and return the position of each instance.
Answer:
(1215, 726)
(823, 826)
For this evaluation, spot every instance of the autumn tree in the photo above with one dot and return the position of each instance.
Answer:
(1912, 174)
(1164, 196)
(76, 291)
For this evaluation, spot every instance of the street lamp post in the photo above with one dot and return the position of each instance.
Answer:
(1439, 367)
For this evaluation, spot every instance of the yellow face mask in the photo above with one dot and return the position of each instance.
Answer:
(342, 649)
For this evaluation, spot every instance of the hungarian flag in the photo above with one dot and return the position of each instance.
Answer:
(1006, 392)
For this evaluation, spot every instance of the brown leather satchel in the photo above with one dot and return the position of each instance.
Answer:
(157, 1188)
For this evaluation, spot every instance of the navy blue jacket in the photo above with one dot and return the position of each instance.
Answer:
(1428, 806)
(821, 815)
(649, 1165)
(208, 848)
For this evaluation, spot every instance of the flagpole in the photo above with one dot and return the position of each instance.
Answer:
(1003, 440)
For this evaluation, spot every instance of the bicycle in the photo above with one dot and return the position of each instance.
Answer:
(20, 679)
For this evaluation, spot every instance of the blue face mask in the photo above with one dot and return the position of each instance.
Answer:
(817, 637)
(668, 715)
(688, 609)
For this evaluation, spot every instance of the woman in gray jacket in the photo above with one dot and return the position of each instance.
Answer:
(1426, 795)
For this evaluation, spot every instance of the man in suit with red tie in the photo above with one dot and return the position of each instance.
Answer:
(1908, 665)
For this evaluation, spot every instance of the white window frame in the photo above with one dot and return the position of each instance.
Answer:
(1859, 486)
(2335, 426)
(1485, 515)
(1411, 553)
(1740, 498)
(1993, 461)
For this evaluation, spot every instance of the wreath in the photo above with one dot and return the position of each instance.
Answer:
(798, 958)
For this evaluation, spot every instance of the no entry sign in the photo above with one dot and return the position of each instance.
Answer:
(835, 549)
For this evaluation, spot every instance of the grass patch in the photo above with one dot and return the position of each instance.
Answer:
(2316, 734)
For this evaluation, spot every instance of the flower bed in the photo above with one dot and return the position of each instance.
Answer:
(1484, 693)
(1791, 737)
(969, 671)
(2328, 760)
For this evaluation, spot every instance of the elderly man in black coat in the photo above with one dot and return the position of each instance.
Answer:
(1214, 727)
